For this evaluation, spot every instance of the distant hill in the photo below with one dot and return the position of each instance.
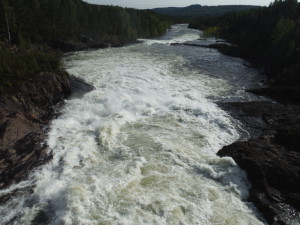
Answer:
(199, 10)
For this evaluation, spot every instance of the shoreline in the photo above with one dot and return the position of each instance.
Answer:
(270, 157)
(26, 115)
(88, 44)
(25, 120)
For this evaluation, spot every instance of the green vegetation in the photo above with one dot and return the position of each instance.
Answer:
(211, 32)
(199, 10)
(30, 29)
(268, 36)
(46, 21)
(18, 65)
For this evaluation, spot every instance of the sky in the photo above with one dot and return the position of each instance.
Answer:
(144, 4)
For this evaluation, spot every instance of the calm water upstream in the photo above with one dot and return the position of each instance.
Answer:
(141, 148)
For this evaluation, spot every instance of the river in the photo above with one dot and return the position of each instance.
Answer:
(141, 148)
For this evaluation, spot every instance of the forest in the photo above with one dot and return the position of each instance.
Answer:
(44, 21)
(30, 30)
(201, 10)
(268, 36)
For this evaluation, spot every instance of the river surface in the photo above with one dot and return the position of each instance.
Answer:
(141, 148)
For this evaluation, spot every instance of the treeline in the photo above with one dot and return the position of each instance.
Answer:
(26, 22)
(31, 30)
(268, 36)
(199, 10)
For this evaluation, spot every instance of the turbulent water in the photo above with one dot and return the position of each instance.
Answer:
(141, 148)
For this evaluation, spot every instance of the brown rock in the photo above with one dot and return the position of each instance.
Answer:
(23, 117)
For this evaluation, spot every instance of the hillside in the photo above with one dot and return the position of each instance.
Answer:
(199, 10)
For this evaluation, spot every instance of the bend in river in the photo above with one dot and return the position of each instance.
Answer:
(141, 148)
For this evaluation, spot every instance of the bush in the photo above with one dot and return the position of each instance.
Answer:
(18, 65)
(211, 32)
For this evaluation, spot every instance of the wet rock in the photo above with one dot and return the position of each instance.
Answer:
(271, 158)
(282, 94)
(24, 121)
(79, 87)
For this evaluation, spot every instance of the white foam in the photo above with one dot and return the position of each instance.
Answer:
(180, 34)
(140, 149)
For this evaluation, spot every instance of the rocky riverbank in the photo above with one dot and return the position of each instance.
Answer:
(25, 116)
(86, 43)
(271, 157)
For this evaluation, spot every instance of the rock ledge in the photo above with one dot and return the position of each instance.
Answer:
(25, 116)
(271, 157)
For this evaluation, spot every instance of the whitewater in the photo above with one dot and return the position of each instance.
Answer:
(141, 148)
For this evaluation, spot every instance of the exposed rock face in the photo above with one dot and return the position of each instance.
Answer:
(271, 157)
(24, 119)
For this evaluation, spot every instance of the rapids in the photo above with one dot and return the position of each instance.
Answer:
(141, 148)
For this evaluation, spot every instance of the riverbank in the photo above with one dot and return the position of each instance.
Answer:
(270, 157)
(25, 116)
(33, 88)
(87, 43)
